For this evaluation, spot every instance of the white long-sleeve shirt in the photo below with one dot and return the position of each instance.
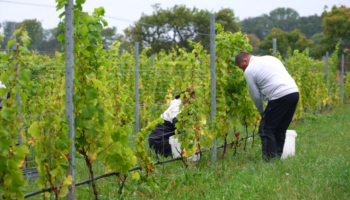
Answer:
(2, 86)
(268, 78)
(172, 111)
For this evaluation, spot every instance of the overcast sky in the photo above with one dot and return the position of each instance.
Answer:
(125, 12)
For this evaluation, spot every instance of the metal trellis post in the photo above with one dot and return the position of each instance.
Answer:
(69, 58)
(274, 45)
(285, 62)
(323, 60)
(18, 97)
(137, 119)
(342, 77)
(327, 75)
(152, 61)
(212, 78)
(12, 30)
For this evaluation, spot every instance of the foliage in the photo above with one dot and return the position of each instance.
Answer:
(97, 132)
(347, 88)
(173, 27)
(12, 157)
(336, 26)
(109, 35)
(318, 50)
(286, 19)
(234, 105)
(105, 104)
(254, 41)
(295, 40)
(34, 28)
(35, 31)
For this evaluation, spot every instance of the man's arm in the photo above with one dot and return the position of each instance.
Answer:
(254, 92)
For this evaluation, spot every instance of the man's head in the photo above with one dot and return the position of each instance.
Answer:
(242, 60)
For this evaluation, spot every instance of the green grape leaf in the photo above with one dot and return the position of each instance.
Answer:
(3, 92)
(34, 130)
(64, 192)
(135, 175)
(85, 18)
(91, 93)
(68, 180)
(10, 43)
(4, 78)
(24, 77)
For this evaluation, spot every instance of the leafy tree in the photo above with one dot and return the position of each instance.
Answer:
(294, 40)
(336, 27)
(286, 19)
(310, 25)
(34, 28)
(51, 43)
(254, 41)
(298, 40)
(282, 41)
(318, 49)
(109, 35)
(317, 38)
(6, 32)
(173, 27)
(260, 26)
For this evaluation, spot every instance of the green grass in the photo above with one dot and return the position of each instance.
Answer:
(319, 170)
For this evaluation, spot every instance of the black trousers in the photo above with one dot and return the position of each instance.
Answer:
(273, 126)
(163, 148)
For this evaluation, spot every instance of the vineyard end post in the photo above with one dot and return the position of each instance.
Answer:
(213, 78)
(18, 97)
(342, 78)
(152, 61)
(137, 110)
(327, 75)
(274, 45)
(69, 59)
(120, 66)
(285, 62)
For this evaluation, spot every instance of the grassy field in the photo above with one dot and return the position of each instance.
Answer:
(319, 170)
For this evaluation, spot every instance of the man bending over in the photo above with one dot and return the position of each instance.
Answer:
(268, 79)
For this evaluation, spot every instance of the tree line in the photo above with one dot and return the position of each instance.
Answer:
(172, 28)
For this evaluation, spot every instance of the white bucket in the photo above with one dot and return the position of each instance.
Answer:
(289, 144)
(176, 148)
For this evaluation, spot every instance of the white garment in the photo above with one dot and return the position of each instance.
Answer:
(267, 76)
(172, 111)
(2, 85)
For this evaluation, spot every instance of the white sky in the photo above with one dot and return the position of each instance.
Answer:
(131, 10)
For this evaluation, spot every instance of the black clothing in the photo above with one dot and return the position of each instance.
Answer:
(273, 126)
(7, 97)
(159, 138)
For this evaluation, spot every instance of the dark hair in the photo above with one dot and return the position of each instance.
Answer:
(189, 89)
(240, 56)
